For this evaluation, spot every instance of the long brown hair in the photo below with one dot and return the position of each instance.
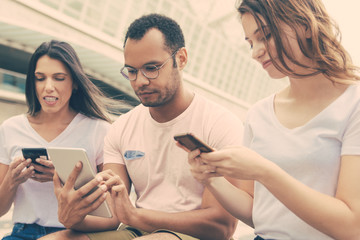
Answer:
(87, 99)
(324, 45)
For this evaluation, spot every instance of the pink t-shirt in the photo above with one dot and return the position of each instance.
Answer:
(158, 168)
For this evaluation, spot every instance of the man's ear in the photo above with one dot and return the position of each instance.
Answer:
(181, 58)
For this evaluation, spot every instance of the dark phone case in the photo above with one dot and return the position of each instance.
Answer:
(191, 142)
(34, 153)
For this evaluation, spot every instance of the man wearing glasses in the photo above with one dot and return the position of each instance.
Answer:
(140, 149)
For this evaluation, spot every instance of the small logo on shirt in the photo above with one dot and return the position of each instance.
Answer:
(131, 154)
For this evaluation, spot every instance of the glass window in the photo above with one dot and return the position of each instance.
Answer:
(93, 17)
(112, 20)
(51, 3)
(187, 27)
(73, 8)
(110, 27)
(12, 81)
(166, 7)
(134, 11)
(178, 15)
(151, 5)
(98, 4)
(76, 5)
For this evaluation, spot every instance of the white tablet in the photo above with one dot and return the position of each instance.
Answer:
(64, 160)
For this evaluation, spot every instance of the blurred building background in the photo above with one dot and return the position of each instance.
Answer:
(219, 64)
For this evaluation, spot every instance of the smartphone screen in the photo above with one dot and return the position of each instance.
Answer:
(191, 142)
(34, 153)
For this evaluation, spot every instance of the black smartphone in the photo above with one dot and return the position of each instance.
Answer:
(35, 153)
(191, 142)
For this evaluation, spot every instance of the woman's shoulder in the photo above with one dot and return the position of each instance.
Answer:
(350, 98)
(355, 88)
(91, 121)
(261, 109)
(263, 103)
(16, 120)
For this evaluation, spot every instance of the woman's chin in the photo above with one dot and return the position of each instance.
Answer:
(276, 74)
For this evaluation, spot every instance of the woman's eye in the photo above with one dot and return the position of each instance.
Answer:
(250, 43)
(59, 77)
(266, 37)
(39, 78)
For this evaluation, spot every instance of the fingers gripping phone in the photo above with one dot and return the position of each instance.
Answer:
(191, 142)
(34, 153)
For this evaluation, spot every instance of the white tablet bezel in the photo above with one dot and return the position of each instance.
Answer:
(64, 160)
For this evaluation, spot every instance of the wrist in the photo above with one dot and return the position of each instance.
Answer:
(264, 173)
(215, 182)
(74, 226)
(207, 181)
(133, 217)
(10, 186)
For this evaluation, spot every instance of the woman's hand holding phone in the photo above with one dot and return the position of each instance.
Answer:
(191, 142)
(44, 170)
(18, 172)
(194, 146)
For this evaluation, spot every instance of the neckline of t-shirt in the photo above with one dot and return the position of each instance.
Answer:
(317, 116)
(176, 119)
(77, 118)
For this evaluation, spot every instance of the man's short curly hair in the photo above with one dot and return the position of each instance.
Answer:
(174, 38)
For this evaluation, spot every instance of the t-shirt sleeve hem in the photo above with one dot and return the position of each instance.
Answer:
(113, 160)
(350, 151)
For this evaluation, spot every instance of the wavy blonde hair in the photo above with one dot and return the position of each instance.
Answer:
(324, 45)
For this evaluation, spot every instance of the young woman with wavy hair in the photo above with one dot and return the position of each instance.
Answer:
(301, 156)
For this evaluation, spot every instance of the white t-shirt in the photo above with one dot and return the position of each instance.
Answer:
(35, 202)
(310, 153)
(157, 167)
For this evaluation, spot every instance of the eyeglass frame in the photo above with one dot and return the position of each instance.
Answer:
(157, 68)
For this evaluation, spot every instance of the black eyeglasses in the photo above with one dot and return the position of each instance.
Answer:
(150, 71)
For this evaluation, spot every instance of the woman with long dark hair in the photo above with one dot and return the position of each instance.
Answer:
(65, 109)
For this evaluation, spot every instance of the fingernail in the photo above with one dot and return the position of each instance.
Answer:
(78, 164)
(99, 178)
(103, 187)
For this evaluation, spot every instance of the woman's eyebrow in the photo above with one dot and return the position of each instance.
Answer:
(60, 73)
